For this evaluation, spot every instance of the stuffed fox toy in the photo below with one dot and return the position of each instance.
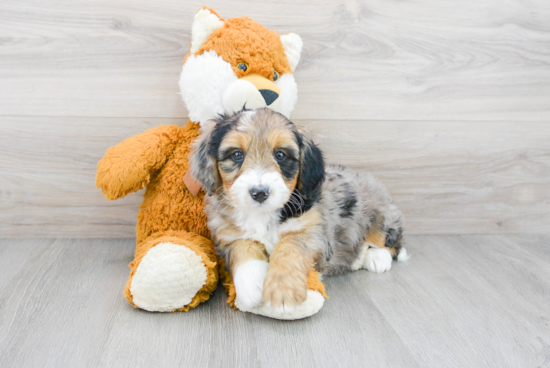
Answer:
(231, 64)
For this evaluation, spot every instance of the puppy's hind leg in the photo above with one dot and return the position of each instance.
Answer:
(381, 247)
(378, 258)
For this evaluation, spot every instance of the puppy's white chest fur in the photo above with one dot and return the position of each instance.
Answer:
(264, 227)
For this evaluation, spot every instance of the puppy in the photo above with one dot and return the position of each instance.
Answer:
(275, 210)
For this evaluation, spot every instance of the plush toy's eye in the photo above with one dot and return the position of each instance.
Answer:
(275, 76)
(280, 156)
(237, 156)
(242, 66)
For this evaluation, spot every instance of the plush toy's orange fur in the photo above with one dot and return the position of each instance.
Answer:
(243, 40)
(157, 159)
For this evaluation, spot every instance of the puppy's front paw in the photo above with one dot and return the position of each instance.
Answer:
(378, 260)
(249, 283)
(284, 291)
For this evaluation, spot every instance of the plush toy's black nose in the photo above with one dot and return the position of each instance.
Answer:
(259, 194)
(269, 96)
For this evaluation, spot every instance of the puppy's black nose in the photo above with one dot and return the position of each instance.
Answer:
(259, 194)
(269, 96)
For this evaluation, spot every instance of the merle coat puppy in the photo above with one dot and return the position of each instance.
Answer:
(275, 209)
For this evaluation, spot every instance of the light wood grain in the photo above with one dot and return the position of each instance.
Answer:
(377, 59)
(448, 177)
(452, 177)
(71, 290)
(468, 322)
(461, 301)
(446, 102)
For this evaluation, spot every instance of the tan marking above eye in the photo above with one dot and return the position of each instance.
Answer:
(237, 140)
(281, 137)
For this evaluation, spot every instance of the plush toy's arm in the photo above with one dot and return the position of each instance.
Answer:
(128, 166)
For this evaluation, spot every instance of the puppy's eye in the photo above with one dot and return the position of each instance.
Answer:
(275, 76)
(280, 156)
(237, 156)
(242, 66)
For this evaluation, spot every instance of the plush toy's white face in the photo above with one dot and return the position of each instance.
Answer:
(213, 84)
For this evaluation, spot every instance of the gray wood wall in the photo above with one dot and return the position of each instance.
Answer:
(448, 102)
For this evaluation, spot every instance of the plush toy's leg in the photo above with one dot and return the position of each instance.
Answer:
(315, 298)
(173, 271)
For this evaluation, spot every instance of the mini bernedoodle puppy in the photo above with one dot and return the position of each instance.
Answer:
(275, 210)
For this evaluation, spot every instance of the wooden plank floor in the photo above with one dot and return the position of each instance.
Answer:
(461, 301)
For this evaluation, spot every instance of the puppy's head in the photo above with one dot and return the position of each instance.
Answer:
(259, 158)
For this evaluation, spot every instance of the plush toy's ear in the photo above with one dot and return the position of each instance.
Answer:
(205, 23)
(203, 166)
(293, 48)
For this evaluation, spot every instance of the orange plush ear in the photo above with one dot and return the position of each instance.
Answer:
(213, 12)
(205, 23)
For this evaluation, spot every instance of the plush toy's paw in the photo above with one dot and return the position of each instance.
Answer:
(378, 260)
(249, 283)
(168, 278)
(313, 303)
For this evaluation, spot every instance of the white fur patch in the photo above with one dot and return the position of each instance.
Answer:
(249, 284)
(209, 86)
(289, 95)
(378, 260)
(246, 122)
(242, 93)
(403, 256)
(203, 81)
(258, 225)
(259, 221)
(168, 278)
(278, 191)
(293, 48)
(204, 24)
(312, 305)
(282, 310)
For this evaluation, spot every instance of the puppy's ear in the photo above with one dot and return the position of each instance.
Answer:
(204, 166)
(312, 167)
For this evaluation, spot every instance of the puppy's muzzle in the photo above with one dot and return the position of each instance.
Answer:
(259, 194)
